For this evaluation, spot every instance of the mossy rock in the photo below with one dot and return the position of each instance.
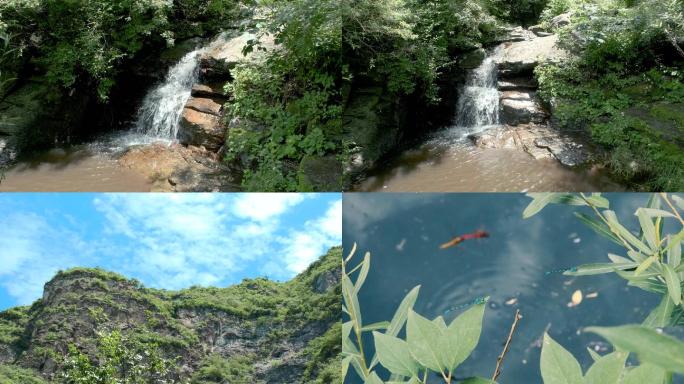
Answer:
(472, 59)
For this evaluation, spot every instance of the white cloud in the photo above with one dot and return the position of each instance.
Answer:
(264, 206)
(304, 246)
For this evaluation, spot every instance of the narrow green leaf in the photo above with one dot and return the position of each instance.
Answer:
(607, 370)
(558, 366)
(649, 345)
(351, 301)
(652, 212)
(645, 265)
(598, 201)
(636, 256)
(618, 259)
(661, 315)
(674, 252)
(477, 380)
(645, 373)
(365, 266)
(674, 285)
(600, 268)
(356, 364)
(426, 341)
(373, 379)
(647, 228)
(375, 326)
(539, 201)
(394, 355)
(345, 366)
(626, 234)
(598, 226)
(463, 335)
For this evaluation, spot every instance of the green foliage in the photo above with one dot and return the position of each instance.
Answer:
(628, 59)
(14, 375)
(288, 106)
(430, 345)
(660, 356)
(524, 12)
(215, 369)
(119, 360)
(653, 261)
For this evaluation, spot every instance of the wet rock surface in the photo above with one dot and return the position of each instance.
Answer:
(179, 168)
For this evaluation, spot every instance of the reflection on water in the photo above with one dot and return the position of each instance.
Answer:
(403, 233)
(91, 168)
(459, 166)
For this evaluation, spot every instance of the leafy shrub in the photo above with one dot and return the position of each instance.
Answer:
(524, 12)
(14, 375)
(430, 345)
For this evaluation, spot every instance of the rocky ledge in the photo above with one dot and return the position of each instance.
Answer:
(202, 122)
(524, 118)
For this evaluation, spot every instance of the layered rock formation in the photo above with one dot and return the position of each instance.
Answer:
(525, 124)
(278, 331)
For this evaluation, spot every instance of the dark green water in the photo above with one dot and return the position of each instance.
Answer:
(403, 233)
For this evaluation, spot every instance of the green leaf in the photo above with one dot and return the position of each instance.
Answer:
(674, 285)
(648, 228)
(618, 259)
(541, 200)
(365, 266)
(598, 226)
(607, 369)
(627, 235)
(598, 201)
(645, 373)
(426, 341)
(594, 356)
(399, 318)
(463, 335)
(558, 366)
(351, 301)
(477, 380)
(401, 313)
(375, 326)
(345, 365)
(674, 252)
(599, 268)
(394, 355)
(373, 379)
(661, 315)
(652, 212)
(645, 265)
(649, 345)
(636, 256)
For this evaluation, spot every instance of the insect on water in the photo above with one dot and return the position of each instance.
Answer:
(479, 300)
(571, 269)
(459, 239)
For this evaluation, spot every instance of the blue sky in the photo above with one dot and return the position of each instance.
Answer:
(169, 241)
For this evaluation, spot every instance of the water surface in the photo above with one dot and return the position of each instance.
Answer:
(403, 233)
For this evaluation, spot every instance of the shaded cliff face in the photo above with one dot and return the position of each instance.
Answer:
(280, 332)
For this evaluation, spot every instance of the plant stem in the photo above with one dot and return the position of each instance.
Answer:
(624, 242)
(425, 376)
(499, 360)
(672, 207)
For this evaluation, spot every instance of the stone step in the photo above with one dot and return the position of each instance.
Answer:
(517, 83)
(518, 107)
(213, 91)
(204, 105)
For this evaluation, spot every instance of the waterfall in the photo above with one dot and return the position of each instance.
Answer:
(163, 105)
(478, 104)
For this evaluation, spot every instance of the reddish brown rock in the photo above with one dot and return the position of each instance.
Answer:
(201, 129)
(204, 105)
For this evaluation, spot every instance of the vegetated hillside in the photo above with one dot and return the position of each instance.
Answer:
(93, 326)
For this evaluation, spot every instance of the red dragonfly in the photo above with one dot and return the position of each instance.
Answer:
(459, 239)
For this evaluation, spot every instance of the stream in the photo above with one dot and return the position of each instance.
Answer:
(94, 166)
(449, 161)
(516, 266)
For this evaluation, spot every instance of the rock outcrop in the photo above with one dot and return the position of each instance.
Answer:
(202, 123)
(258, 322)
(524, 120)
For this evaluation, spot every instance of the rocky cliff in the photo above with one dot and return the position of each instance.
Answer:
(275, 332)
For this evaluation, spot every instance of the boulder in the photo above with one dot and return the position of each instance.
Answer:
(178, 168)
(219, 58)
(519, 107)
(561, 20)
(539, 141)
(204, 105)
(213, 91)
(517, 84)
(518, 59)
(201, 129)
(320, 174)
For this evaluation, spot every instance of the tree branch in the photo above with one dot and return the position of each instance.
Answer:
(499, 360)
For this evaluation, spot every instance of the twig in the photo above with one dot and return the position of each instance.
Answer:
(499, 360)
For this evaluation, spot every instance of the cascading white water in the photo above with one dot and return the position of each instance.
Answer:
(478, 104)
(162, 107)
